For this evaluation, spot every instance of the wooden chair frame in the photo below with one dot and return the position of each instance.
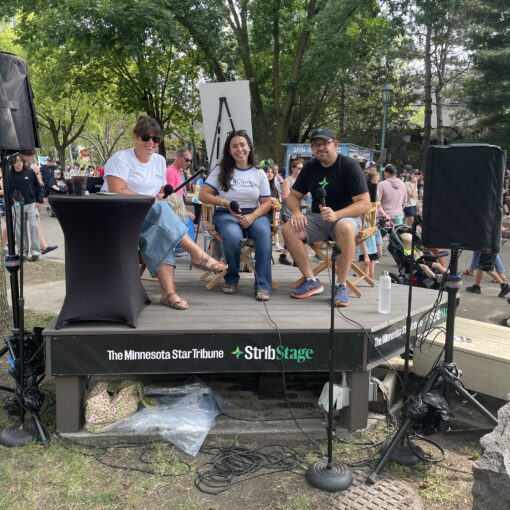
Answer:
(247, 247)
(369, 228)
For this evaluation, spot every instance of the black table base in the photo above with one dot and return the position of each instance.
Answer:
(102, 276)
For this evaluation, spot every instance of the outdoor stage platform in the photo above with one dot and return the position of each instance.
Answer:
(222, 333)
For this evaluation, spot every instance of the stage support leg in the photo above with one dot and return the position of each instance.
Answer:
(355, 415)
(69, 395)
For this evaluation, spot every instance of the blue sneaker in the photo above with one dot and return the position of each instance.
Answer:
(307, 288)
(341, 295)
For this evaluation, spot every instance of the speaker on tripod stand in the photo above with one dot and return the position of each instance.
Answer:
(18, 132)
(462, 209)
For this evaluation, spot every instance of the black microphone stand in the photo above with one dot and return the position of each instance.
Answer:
(21, 434)
(326, 474)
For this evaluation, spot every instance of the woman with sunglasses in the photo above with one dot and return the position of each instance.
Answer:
(241, 193)
(141, 171)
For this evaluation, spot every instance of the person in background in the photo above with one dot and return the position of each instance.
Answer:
(25, 181)
(58, 184)
(28, 160)
(47, 170)
(276, 201)
(486, 263)
(372, 178)
(141, 171)
(236, 181)
(295, 168)
(392, 194)
(197, 205)
(176, 171)
(410, 206)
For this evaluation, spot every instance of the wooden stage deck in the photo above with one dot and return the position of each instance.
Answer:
(234, 333)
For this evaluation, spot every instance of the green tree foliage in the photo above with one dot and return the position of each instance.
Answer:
(296, 55)
(133, 52)
(487, 87)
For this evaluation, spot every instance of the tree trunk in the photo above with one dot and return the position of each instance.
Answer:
(341, 112)
(427, 124)
(439, 115)
(5, 313)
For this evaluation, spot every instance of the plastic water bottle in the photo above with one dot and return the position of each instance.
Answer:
(384, 293)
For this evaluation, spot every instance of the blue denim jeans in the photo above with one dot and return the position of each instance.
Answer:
(161, 231)
(498, 263)
(233, 234)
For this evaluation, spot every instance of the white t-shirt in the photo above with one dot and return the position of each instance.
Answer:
(143, 178)
(247, 187)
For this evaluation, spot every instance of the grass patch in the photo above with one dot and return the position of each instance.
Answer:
(42, 271)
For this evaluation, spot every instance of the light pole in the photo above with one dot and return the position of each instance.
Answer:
(387, 93)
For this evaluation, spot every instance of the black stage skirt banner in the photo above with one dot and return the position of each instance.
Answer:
(200, 353)
(235, 352)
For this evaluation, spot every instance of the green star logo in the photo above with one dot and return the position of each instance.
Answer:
(237, 353)
(324, 182)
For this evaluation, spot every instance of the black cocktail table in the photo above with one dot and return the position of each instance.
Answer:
(102, 266)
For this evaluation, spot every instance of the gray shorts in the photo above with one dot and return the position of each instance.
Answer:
(319, 230)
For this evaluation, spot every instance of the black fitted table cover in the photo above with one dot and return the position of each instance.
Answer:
(102, 266)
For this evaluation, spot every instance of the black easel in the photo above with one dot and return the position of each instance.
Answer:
(217, 129)
(447, 370)
(326, 474)
(21, 434)
(216, 142)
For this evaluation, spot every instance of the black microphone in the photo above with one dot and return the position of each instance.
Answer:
(234, 207)
(321, 195)
(167, 190)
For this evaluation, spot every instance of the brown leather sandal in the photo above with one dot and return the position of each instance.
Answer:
(173, 300)
(262, 295)
(207, 263)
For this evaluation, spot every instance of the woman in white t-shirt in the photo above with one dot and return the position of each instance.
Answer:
(241, 193)
(141, 171)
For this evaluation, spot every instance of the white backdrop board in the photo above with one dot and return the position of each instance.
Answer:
(237, 94)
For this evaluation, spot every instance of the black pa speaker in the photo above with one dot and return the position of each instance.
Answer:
(18, 123)
(463, 197)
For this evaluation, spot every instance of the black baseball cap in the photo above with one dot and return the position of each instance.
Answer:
(324, 133)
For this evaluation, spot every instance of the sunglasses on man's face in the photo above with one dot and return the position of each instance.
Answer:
(188, 160)
(146, 138)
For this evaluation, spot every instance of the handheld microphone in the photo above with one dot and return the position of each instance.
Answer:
(167, 190)
(234, 207)
(321, 195)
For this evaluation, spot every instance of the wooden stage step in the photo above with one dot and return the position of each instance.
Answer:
(481, 351)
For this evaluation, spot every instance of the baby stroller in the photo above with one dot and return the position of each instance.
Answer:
(403, 261)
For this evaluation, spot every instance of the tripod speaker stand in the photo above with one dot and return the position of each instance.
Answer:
(447, 370)
(18, 131)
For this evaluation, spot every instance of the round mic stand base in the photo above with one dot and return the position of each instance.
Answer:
(18, 435)
(332, 477)
(327, 474)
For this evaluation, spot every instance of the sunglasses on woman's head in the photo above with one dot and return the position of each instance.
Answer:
(146, 138)
(241, 132)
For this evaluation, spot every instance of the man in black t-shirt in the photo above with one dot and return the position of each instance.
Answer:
(346, 199)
